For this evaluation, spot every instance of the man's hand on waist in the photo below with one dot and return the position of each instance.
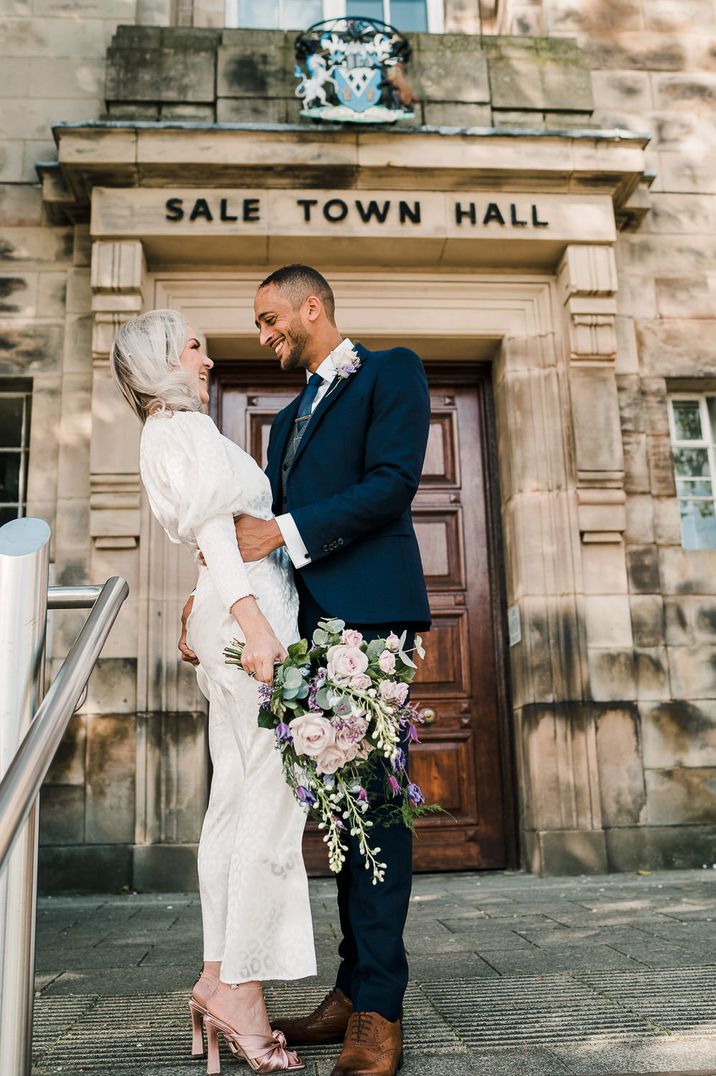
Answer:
(257, 537)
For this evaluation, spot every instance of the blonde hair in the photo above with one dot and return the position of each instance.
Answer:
(146, 367)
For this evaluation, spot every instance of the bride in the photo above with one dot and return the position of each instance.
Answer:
(254, 892)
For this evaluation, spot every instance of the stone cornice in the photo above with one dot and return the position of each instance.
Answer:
(120, 154)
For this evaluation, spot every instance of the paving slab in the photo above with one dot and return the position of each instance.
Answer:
(511, 975)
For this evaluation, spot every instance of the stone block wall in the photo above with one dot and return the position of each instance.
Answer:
(653, 638)
(247, 76)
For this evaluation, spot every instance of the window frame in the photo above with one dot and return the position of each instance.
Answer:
(709, 446)
(336, 9)
(24, 392)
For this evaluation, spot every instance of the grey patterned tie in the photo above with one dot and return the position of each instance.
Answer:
(300, 424)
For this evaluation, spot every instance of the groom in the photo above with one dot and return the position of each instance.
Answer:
(344, 461)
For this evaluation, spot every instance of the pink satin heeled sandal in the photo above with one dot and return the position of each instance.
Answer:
(198, 1012)
(261, 1053)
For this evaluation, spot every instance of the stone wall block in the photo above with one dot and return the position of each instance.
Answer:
(18, 295)
(689, 571)
(631, 412)
(647, 619)
(652, 847)
(639, 520)
(681, 795)
(537, 73)
(621, 772)
(183, 68)
(693, 672)
(643, 569)
(68, 765)
(458, 114)
(612, 675)
(604, 569)
(667, 522)
(597, 433)
(252, 110)
(688, 346)
(635, 50)
(686, 297)
(689, 91)
(652, 673)
(654, 397)
(636, 463)
(609, 15)
(679, 621)
(449, 67)
(661, 467)
(30, 350)
(110, 779)
(628, 91)
(608, 620)
(678, 733)
(259, 66)
(62, 814)
(112, 687)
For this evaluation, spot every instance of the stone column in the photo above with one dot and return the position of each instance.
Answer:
(149, 717)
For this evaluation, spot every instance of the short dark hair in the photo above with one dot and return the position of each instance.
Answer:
(300, 281)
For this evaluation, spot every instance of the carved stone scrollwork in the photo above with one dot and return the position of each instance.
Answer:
(587, 281)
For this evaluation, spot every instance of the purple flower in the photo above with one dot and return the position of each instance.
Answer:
(413, 733)
(415, 795)
(305, 796)
(398, 763)
(283, 733)
(338, 821)
(265, 693)
(393, 785)
(363, 795)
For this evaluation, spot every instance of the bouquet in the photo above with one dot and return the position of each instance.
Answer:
(339, 710)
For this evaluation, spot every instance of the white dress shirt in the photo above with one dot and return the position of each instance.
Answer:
(292, 539)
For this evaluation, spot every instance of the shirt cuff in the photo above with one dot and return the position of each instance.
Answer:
(293, 541)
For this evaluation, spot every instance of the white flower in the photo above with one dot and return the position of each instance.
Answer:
(393, 642)
(312, 733)
(351, 637)
(345, 662)
(392, 691)
(386, 661)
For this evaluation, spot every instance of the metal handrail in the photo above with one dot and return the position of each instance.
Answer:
(78, 597)
(21, 784)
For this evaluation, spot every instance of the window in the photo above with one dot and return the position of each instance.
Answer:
(409, 16)
(693, 436)
(14, 441)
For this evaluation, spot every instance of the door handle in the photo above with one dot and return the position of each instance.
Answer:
(429, 716)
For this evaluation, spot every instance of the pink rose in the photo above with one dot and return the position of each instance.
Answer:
(390, 691)
(345, 662)
(312, 734)
(349, 731)
(330, 759)
(361, 682)
(386, 661)
(393, 642)
(352, 637)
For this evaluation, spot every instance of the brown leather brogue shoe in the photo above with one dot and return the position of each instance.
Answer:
(373, 1046)
(327, 1023)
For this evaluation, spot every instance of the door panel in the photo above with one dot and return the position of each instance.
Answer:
(461, 759)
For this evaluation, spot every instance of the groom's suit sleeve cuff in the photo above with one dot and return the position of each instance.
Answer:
(295, 546)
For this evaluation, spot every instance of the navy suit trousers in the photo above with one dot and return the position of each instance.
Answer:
(373, 971)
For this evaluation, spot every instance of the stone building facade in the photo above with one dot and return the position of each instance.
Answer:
(547, 243)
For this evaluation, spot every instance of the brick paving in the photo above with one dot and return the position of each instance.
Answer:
(510, 974)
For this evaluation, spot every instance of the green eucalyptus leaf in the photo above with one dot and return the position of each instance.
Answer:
(375, 649)
(266, 720)
(323, 697)
(320, 637)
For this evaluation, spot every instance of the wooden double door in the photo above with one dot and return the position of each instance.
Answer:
(462, 761)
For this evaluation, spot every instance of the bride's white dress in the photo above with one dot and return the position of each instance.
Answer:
(254, 892)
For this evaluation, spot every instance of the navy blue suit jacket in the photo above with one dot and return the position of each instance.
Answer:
(351, 486)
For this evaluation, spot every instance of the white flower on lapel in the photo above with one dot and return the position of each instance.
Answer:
(346, 361)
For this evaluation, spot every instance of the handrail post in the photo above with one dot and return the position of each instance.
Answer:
(24, 575)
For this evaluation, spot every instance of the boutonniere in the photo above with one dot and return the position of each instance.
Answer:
(346, 364)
